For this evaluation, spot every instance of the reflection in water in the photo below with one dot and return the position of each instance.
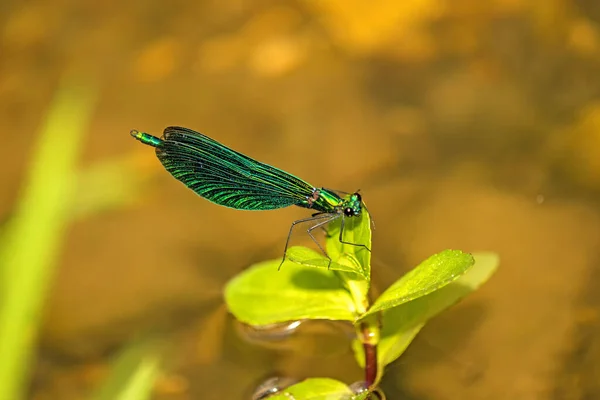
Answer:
(273, 386)
(279, 332)
(308, 338)
(267, 333)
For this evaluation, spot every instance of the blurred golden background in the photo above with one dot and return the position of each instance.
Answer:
(466, 124)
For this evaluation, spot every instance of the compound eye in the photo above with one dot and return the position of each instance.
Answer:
(348, 212)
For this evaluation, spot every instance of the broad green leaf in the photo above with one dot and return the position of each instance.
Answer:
(310, 258)
(316, 389)
(432, 274)
(401, 324)
(133, 374)
(261, 295)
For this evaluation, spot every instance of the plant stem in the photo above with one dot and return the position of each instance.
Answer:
(370, 356)
(370, 364)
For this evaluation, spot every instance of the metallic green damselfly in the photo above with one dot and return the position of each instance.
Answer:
(231, 179)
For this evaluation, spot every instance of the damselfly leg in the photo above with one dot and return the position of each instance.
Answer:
(321, 224)
(322, 218)
(343, 225)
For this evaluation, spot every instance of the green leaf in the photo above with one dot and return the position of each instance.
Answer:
(351, 262)
(133, 374)
(434, 273)
(261, 295)
(316, 389)
(359, 290)
(357, 230)
(310, 258)
(401, 324)
(361, 396)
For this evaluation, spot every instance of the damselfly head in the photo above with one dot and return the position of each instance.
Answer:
(352, 206)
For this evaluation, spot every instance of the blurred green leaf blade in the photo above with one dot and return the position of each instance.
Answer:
(133, 374)
(32, 237)
(109, 184)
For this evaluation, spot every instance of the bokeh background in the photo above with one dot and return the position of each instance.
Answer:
(466, 124)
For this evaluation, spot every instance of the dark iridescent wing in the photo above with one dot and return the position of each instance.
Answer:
(225, 176)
